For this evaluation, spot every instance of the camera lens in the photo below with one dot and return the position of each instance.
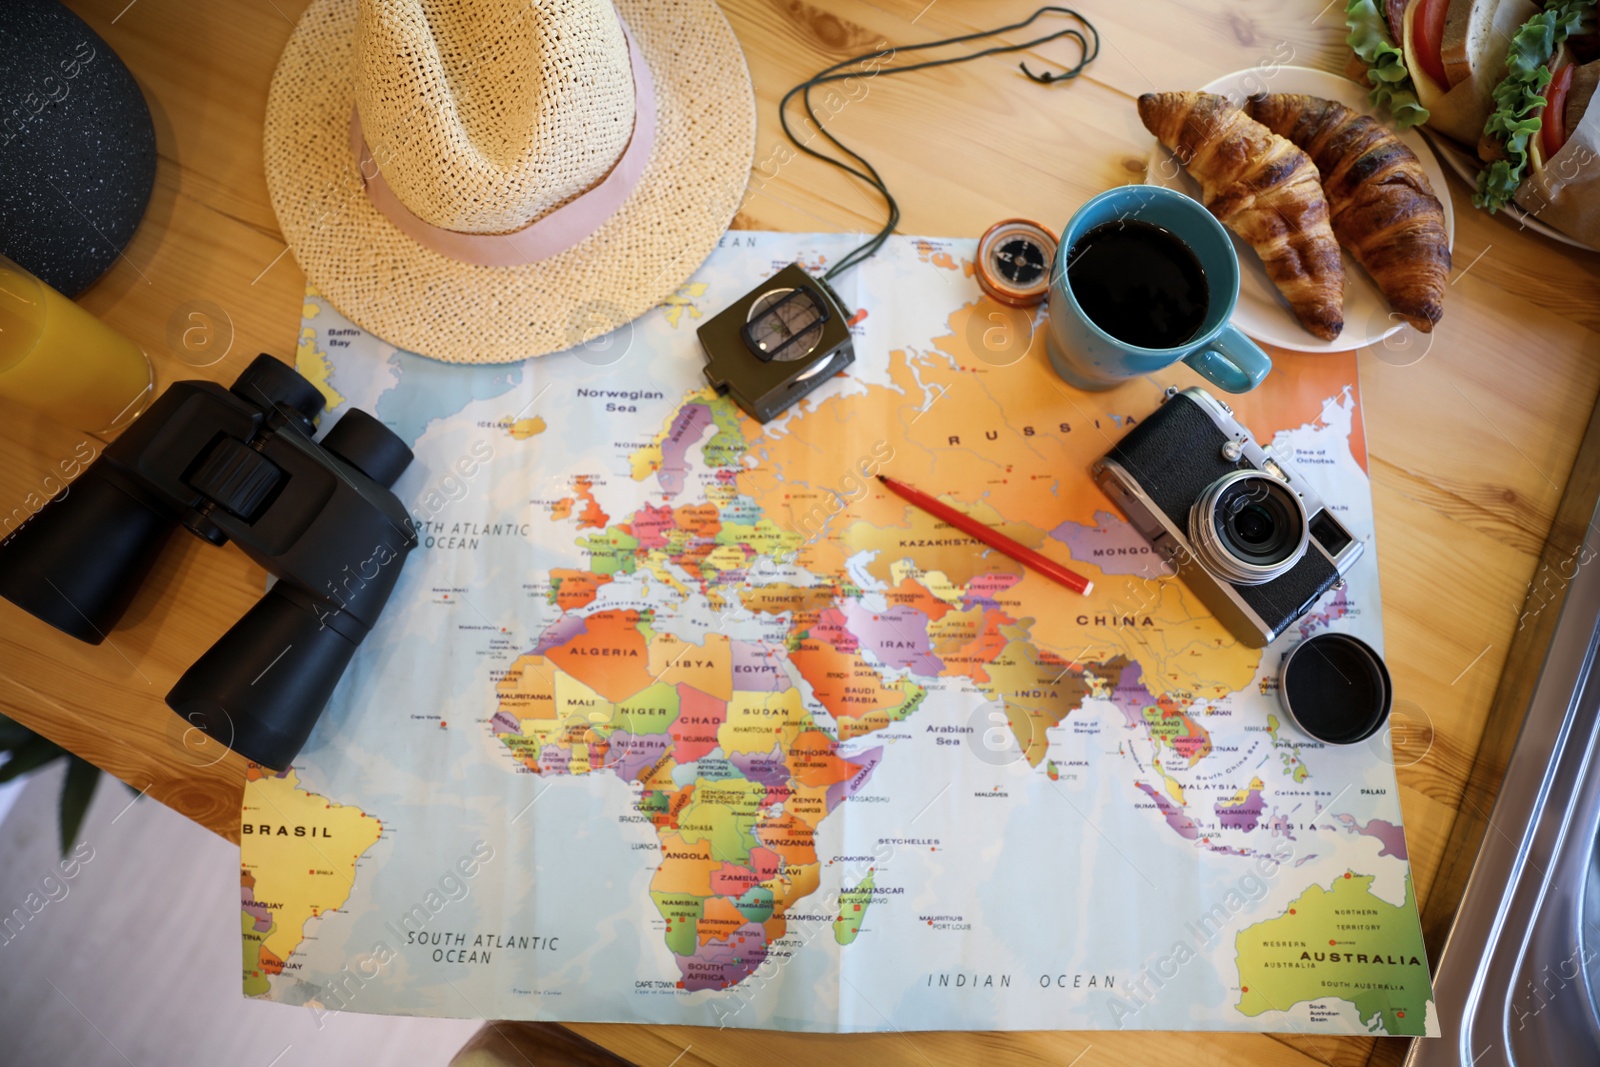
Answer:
(1263, 531)
(1248, 528)
(1253, 524)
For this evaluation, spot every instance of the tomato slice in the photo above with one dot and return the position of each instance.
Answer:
(1553, 123)
(1427, 33)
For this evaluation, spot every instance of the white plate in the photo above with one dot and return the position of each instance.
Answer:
(1466, 166)
(1262, 312)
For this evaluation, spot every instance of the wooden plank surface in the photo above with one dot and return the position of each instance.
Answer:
(1471, 441)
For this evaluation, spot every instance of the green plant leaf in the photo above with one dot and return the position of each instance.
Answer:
(76, 793)
(31, 754)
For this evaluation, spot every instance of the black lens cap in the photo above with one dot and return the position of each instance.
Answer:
(1336, 688)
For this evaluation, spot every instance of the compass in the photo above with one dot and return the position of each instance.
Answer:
(1015, 258)
(785, 324)
(777, 343)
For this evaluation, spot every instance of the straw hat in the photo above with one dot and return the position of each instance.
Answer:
(482, 181)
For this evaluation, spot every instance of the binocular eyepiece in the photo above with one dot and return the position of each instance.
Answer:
(234, 464)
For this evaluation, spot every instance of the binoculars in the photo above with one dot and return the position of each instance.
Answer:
(233, 464)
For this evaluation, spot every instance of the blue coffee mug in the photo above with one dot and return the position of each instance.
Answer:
(1090, 358)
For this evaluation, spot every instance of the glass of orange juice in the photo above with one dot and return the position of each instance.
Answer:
(60, 360)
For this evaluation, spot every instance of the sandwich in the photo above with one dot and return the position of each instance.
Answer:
(1562, 186)
(1377, 61)
(1535, 110)
(1436, 61)
(1572, 88)
(1510, 79)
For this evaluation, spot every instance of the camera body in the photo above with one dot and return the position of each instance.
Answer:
(1241, 526)
(236, 465)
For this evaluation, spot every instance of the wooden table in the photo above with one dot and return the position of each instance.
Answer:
(1470, 446)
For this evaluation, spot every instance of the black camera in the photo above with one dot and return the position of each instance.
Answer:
(234, 464)
(1238, 524)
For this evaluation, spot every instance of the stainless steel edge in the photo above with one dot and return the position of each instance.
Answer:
(1513, 982)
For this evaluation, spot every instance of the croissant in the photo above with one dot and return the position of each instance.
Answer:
(1265, 190)
(1383, 208)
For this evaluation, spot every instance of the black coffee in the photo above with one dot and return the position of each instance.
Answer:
(1139, 283)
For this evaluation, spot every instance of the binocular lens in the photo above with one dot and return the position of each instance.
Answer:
(266, 383)
(78, 568)
(260, 688)
(369, 446)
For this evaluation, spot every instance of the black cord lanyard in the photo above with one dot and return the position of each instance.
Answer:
(1089, 47)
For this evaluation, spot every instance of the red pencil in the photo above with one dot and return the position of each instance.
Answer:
(999, 542)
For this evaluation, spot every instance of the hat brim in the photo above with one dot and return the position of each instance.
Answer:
(416, 298)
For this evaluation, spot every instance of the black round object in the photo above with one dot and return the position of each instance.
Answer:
(1021, 261)
(1336, 688)
(268, 381)
(1012, 264)
(1258, 522)
(78, 566)
(77, 148)
(369, 446)
(261, 688)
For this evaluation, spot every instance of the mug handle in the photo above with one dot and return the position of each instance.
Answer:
(1230, 361)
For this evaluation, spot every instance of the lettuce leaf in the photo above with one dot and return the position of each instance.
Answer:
(1386, 64)
(1519, 98)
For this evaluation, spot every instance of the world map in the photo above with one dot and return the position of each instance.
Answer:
(676, 717)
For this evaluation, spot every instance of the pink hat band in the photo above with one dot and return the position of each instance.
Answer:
(554, 233)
